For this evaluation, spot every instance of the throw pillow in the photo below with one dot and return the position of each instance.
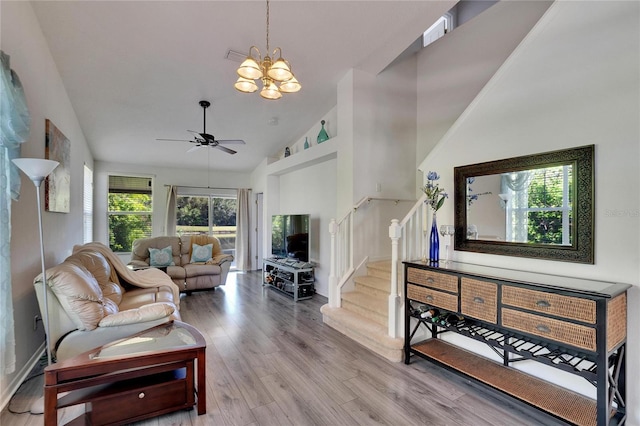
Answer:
(201, 253)
(160, 257)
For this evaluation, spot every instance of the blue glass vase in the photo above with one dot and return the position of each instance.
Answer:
(434, 241)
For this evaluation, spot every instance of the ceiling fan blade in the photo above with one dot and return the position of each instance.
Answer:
(227, 150)
(175, 140)
(194, 148)
(199, 136)
(231, 141)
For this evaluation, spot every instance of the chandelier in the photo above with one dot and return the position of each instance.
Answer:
(269, 71)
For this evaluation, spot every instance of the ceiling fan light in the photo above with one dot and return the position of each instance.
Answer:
(246, 85)
(270, 91)
(280, 70)
(290, 86)
(250, 69)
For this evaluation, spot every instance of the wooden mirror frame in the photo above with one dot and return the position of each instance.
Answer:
(581, 250)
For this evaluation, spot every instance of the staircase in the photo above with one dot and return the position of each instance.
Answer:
(363, 315)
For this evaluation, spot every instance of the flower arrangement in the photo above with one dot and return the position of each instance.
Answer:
(471, 197)
(435, 194)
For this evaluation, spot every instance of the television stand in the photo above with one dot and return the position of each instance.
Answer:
(289, 276)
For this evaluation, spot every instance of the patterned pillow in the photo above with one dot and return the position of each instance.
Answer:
(161, 257)
(201, 253)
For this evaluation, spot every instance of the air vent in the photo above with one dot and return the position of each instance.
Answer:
(234, 56)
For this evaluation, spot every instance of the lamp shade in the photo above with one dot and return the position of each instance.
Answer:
(290, 86)
(250, 69)
(270, 91)
(35, 168)
(245, 85)
(280, 71)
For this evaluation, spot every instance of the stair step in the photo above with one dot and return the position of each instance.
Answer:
(374, 285)
(366, 305)
(380, 269)
(364, 331)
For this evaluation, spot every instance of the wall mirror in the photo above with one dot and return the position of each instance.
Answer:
(539, 206)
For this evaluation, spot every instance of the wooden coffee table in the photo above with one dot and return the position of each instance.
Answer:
(148, 374)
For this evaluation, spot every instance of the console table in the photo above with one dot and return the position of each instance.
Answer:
(145, 375)
(575, 325)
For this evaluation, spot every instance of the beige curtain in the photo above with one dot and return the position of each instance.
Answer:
(170, 223)
(243, 230)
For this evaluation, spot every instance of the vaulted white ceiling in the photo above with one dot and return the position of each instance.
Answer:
(135, 70)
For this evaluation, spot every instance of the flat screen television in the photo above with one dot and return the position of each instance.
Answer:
(290, 236)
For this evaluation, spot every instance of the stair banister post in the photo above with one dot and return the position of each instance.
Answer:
(395, 231)
(334, 297)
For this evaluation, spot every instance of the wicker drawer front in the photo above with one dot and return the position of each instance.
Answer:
(616, 320)
(436, 280)
(479, 299)
(433, 297)
(568, 333)
(550, 303)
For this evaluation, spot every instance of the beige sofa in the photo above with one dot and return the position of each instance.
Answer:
(188, 276)
(94, 299)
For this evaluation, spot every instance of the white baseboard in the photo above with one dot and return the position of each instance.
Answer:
(7, 392)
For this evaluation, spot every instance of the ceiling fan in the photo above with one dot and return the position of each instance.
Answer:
(204, 139)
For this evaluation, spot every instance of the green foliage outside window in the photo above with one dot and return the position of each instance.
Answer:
(194, 211)
(192, 217)
(129, 219)
(545, 220)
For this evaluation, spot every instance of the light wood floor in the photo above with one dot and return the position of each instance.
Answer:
(271, 361)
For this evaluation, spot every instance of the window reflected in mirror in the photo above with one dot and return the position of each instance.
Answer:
(531, 206)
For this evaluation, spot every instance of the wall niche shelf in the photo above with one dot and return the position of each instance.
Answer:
(316, 154)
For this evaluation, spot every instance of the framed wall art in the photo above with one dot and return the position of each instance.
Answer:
(57, 187)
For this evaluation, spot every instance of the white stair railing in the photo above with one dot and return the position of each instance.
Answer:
(342, 262)
(408, 242)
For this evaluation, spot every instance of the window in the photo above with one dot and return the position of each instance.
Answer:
(442, 26)
(87, 205)
(208, 214)
(541, 209)
(130, 211)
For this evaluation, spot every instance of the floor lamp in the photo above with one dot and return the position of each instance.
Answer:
(37, 169)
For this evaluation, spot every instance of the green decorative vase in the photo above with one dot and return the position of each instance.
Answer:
(306, 143)
(322, 136)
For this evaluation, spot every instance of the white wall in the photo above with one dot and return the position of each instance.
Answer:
(377, 118)
(487, 212)
(304, 189)
(22, 39)
(453, 70)
(573, 81)
(312, 191)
